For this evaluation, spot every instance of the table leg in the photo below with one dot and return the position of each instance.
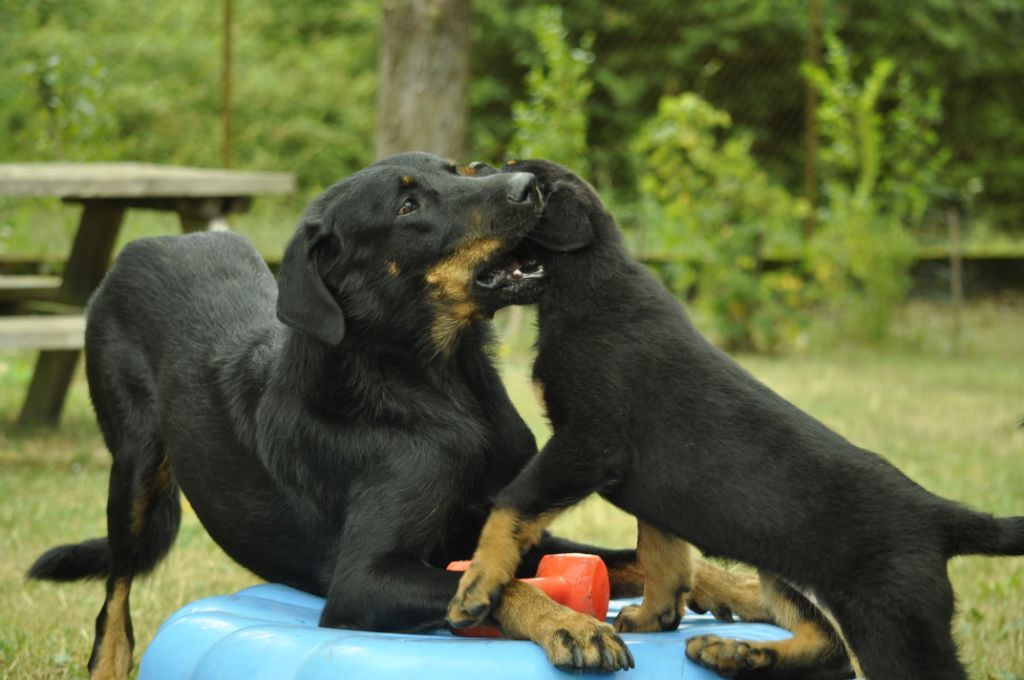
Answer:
(90, 256)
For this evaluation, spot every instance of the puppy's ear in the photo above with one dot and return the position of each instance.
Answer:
(303, 301)
(566, 224)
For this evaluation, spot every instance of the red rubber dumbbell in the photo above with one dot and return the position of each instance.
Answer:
(575, 580)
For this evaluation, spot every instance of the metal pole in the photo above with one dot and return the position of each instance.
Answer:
(956, 278)
(227, 81)
(810, 118)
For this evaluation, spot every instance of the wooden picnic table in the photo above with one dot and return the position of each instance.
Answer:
(202, 198)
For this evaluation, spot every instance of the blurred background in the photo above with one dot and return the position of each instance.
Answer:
(785, 153)
(836, 188)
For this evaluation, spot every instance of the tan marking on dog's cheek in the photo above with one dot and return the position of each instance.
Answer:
(449, 282)
(114, 657)
(393, 269)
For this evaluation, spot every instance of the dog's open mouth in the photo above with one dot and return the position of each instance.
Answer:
(511, 270)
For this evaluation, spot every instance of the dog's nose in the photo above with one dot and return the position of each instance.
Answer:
(521, 187)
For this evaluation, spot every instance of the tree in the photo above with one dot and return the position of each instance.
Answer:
(422, 101)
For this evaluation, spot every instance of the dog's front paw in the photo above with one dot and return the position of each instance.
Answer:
(478, 594)
(637, 618)
(579, 642)
(730, 658)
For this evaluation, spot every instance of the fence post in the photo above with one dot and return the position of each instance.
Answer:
(956, 278)
(811, 119)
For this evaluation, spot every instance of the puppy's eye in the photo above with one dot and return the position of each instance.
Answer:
(408, 205)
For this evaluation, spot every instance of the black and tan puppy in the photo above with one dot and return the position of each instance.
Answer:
(648, 413)
(342, 430)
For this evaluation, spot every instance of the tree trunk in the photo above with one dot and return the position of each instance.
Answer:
(423, 101)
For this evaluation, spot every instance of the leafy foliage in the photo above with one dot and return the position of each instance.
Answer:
(881, 170)
(744, 56)
(552, 123)
(150, 89)
(723, 211)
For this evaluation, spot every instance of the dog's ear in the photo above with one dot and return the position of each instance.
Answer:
(566, 224)
(303, 301)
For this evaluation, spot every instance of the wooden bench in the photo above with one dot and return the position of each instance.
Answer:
(202, 198)
(56, 332)
(16, 288)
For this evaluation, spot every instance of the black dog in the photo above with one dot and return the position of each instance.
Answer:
(652, 416)
(350, 451)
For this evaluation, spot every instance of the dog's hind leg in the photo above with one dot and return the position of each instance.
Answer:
(143, 514)
(668, 578)
(900, 627)
(727, 593)
(814, 651)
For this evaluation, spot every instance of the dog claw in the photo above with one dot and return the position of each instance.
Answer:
(588, 645)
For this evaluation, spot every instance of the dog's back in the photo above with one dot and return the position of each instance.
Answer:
(167, 291)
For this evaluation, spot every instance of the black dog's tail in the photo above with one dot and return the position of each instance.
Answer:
(89, 559)
(980, 534)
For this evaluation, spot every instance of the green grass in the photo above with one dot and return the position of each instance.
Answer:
(953, 422)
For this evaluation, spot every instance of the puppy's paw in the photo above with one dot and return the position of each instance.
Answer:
(579, 642)
(727, 595)
(478, 594)
(730, 658)
(637, 618)
(717, 609)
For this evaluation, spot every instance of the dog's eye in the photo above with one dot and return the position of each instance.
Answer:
(408, 206)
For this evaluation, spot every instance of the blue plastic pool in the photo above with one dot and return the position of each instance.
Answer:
(270, 632)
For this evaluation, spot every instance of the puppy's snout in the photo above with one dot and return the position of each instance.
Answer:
(521, 187)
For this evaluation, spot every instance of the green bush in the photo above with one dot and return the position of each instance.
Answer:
(880, 164)
(552, 122)
(719, 208)
(150, 87)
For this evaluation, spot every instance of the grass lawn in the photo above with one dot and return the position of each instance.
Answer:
(953, 423)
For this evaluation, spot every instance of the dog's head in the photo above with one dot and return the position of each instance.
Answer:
(574, 216)
(575, 222)
(411, 240)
